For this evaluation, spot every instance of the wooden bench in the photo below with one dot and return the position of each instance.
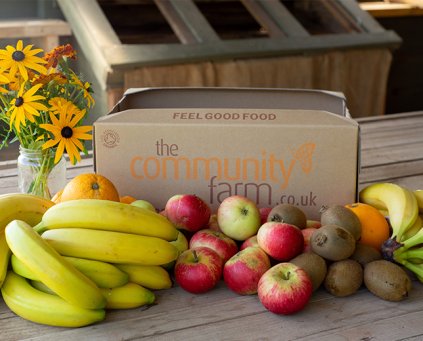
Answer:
(43, 33)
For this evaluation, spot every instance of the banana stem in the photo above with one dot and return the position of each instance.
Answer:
(416, 269)
(408, 254)
(40, 228)
(414, 240)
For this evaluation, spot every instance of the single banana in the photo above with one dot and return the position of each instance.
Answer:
(107, 215)
(414, 229)
(51, 268)
(42, 287)
(113, 247)
(21, 269)
(128, 296)
(399, 201)
(27, 207)
(104, 275)
(152, 277)
(4, 257)
(37, 306)
(419, 196)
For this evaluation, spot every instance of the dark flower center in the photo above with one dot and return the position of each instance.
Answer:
(18, 56)
(19, 101)
(66, 132)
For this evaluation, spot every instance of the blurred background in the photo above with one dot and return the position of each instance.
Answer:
(369, 50)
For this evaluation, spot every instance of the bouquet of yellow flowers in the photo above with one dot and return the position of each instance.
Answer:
(43, 103)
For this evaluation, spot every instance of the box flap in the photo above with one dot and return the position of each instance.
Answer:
(205, 97)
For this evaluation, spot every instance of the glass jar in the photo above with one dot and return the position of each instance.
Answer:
(38, 174)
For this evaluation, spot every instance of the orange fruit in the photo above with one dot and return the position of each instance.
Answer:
(374, 227)
(90, 186)
(127, 199)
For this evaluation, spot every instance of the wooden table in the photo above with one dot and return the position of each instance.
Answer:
(392, 150)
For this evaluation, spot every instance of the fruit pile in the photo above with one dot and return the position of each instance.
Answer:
(64, 263)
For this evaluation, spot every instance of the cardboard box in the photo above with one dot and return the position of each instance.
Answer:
(271, 145)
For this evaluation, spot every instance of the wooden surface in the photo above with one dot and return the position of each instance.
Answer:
(392, 150)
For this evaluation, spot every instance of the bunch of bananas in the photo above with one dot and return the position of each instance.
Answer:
(405, 211)
(71, 261)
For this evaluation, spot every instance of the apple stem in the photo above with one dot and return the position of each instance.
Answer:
(286, 276)
(194, 253)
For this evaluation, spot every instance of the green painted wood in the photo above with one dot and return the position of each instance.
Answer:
(125, 56)
(187, 21)
(283, 18)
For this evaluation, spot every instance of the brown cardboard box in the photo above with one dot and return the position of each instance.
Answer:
(271, 145)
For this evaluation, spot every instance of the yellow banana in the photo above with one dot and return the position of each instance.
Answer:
(37, 306)
(21, 269)
(414, 229)
(107, 215)
(42, 287)
(51, 268)
(113, 247)
(4, 257)
(26, 207)
(153, 277)
(128, 296)
(419, 196)
(399, 201)
(104, 275)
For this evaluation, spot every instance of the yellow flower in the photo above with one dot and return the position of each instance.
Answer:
(4, 80)
(66, 134)
(86, 89)
(25, 105)
(21, 58)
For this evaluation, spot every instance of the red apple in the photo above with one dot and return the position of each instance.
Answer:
(198, 270)
(242, 272)
(252, 241)
(187, 212)
(307, 233)
(313, 223)
(218, 241)
(284, 289)
(280, 241)
(264, 213)
(238, 217)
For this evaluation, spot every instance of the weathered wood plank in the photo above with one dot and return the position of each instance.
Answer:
(187, 21)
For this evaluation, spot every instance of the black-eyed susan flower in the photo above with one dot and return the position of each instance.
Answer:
(25, 106)
(85, 88)
(20, 59)
(67, 135)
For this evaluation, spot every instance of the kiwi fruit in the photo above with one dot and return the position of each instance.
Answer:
(365, 254)
(387, 280)
(344, 278)
(289, 214)
(314, 265)
(341, 216)
(332, 242)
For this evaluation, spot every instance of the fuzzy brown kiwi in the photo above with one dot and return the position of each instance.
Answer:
(314, 265)
(365, 254)
(387, 280)
(289, 214)
(344, 278)
(332, 242)
(341, 216)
